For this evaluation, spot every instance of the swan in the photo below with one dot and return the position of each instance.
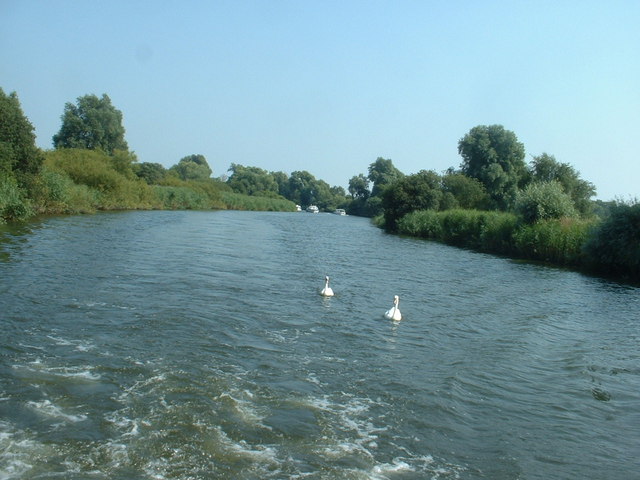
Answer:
(326, 291)
(394, 312)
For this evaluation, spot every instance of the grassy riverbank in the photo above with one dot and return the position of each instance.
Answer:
(73, 181)
(608, 246)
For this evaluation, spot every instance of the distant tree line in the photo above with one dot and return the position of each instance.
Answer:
(494, 201)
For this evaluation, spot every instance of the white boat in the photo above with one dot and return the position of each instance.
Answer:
(340, 211)
(298, 208)
(312, 209)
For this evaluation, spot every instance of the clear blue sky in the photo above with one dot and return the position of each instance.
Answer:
(329, 86)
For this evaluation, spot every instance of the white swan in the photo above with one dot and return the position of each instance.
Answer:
(326, 291)
(394, 312)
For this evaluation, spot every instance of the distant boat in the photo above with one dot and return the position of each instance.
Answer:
(312, 209)
(298, 208)
(340, 211)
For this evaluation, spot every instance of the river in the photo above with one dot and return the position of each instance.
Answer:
(195, 345)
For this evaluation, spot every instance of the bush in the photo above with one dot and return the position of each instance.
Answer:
(49, 191)
(87, 167)
(544, 201)
(614, 246)
(181, 198)
(114, 189)
(13, 203)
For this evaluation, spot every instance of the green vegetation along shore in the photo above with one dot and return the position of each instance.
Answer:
(494, 202)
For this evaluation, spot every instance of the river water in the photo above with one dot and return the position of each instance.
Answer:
(195, 345)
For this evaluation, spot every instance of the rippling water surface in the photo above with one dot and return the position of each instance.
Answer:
(194, 345)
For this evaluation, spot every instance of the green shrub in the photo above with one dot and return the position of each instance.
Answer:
(181, 198)
(49, 191)
(13, 203)
(115, 187)
(614, 246)
(544, 201)
(82, 199)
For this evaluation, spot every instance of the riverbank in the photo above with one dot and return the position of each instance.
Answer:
(608, 247)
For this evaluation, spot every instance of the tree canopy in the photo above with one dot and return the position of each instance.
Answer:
(192, 167)
(152, 173)
(252, 181)
(495, 157)
(543, 201)
(382, 172)
(545, 168)
(93, 124)
(468, 192)
(359, 187)
(420, 191)
(18, 151)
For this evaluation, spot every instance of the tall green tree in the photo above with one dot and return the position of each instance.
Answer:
(93, 124)
(359, 187)
(152, 173)
(282, 179)
(192, 167)
(468, 192)
(614, 246)
(382, 172)
(18, 151)
(420, 191)
(302, 188)
(495, 157)
(545, 168)
(252, 181)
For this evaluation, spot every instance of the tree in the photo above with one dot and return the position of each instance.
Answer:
(420, 191)
(495, 157)
(252, 181)
(468, 192)
(302, 188)
(382, 172)
(359, 187)
(18, 151)
(614, 247)
(192, 167)
(545, 168)
(282, 179)
(152, 173)
(93, 124)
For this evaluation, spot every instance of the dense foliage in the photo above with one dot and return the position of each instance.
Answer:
(20, 159)
(495, 157)
(614, 246)
(193, 167)
(544, 201)
(93, 124)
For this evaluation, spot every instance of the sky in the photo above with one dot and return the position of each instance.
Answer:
(329, 86)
